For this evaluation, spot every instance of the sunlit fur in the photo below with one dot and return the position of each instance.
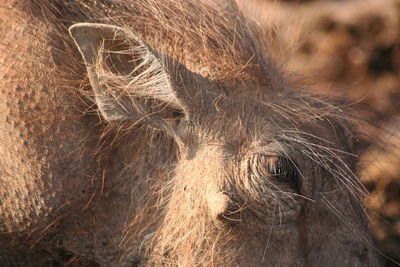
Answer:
(138, 192)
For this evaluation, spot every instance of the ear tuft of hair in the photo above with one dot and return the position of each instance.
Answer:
(129, 79)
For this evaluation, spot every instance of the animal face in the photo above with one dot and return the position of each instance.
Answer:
(258, 162)
(205, 154)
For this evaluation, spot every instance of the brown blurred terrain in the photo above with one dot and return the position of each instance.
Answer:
(350, 49)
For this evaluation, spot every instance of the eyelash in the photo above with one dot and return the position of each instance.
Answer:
(279, 169)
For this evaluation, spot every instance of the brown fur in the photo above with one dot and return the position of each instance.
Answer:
(120, 193)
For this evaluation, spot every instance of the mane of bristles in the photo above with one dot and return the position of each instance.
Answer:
(217, 45)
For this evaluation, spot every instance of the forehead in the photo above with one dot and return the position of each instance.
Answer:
(264, 118)
(242, 111)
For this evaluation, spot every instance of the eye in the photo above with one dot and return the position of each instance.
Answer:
(280, 169)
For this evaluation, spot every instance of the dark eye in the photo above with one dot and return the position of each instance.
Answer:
(281, 169)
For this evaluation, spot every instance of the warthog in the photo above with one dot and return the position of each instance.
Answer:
(203, 152)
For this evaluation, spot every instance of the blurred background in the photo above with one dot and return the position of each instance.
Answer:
(350, 49)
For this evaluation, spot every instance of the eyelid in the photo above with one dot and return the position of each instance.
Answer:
(273, 162)
(269, 149)
(279, 168)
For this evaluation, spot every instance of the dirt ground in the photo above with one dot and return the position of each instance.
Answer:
(350, 49)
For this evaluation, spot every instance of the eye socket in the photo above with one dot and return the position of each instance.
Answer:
(281, 169)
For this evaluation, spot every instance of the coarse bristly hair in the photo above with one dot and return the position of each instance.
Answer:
(225, 45)
(222, 48)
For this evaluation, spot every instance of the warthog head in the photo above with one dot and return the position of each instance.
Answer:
(265, 173)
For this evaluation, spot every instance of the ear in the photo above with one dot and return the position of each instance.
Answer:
(130, 80)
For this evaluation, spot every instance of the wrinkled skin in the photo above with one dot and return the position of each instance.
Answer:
(204, 154)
